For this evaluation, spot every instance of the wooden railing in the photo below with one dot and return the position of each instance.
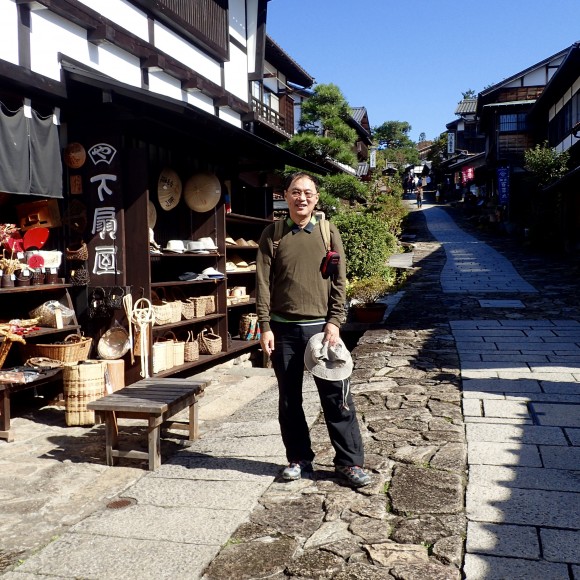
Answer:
(268, 114)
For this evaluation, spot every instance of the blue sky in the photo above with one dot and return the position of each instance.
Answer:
(410, 60)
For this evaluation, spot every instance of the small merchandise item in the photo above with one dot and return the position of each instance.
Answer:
(50, 312)
(151, 214)
(74, 155)
(209, 341)
(168, 189)
(175, 246)
(202, 191)
(212, 273)
(78, 252)
(114, 343)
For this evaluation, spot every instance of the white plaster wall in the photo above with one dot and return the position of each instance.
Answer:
(200, 101)
(52, 35)
(119, 64)
(237, 14)
(164, 84)
(251, 33)
(194, 58)
(122, 13)
(9, 42)
(236, 73)
(230, 116)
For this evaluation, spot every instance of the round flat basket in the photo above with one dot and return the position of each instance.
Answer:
(168, 189)
(74, 155)
(202, 192)
(151, 215)
(114, 343)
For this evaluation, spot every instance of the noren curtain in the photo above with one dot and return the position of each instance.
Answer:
(29, 154)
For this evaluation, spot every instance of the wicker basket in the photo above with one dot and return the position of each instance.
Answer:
(73, 349)
(82, 383)
(188, 308)
(81, 253)
(159, 349)
(178, 348)
(174, 305)
(199, 304)
(46, 313)
(209, 341)
(210, 307)
(191, 350)
(163, 310)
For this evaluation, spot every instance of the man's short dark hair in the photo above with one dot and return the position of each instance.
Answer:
(297, 175)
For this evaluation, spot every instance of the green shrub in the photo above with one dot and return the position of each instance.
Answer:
(344, 186)
(367, 244)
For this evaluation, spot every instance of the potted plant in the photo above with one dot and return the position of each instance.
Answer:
(363, 294)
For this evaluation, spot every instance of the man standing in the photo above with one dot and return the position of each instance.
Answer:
(295, 302)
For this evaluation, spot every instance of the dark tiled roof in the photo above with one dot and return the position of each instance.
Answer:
(358, 114)
(287, 65)
(466, 107)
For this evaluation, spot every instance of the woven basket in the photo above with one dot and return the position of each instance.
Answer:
(159, 350)
(82, 383)
(199, 304)
(210, 304)
(191, 350)
(46, 313)
(188, 309)
(178, 348)
(248, 326)
(81, 253)
(75, 348)
(209, 341)
(163, 311)
(175, 305)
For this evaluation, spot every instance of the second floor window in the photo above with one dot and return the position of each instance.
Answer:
(512, 122)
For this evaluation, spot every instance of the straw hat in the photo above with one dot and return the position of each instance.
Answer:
(151, 215)
(202, 192)
(168, 189)
(114, 343)
(332, 363)
(74, 155)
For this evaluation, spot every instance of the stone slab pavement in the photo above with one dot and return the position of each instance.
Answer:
(466, 411)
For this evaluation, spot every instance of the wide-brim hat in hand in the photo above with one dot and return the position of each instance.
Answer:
(169, 189)
(332, 363)
(202, 192)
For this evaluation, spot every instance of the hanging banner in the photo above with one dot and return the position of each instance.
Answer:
(450, 143)
(467, 174)
(503, 185)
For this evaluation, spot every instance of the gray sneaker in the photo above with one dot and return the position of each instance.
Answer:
(354, 474)
(295, 469)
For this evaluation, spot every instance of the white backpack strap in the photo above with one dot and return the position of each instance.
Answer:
(325, 231)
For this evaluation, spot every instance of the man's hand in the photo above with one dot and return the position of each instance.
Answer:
(331, 334)
(267, 341)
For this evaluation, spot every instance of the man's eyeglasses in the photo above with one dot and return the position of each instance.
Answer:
(297, 193)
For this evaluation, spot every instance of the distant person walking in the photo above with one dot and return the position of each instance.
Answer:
(419, 195)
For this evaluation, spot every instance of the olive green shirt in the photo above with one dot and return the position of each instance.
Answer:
(291, 285)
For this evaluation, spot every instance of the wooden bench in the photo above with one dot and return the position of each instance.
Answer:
(157, 401)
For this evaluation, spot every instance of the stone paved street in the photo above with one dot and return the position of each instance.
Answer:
(467, 397)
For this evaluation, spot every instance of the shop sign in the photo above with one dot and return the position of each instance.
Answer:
(105, 205)
(467, 174)
(503, 185)
(450, 143)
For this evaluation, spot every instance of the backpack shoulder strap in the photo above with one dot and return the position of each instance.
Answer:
(325, 231)
(278, 231)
